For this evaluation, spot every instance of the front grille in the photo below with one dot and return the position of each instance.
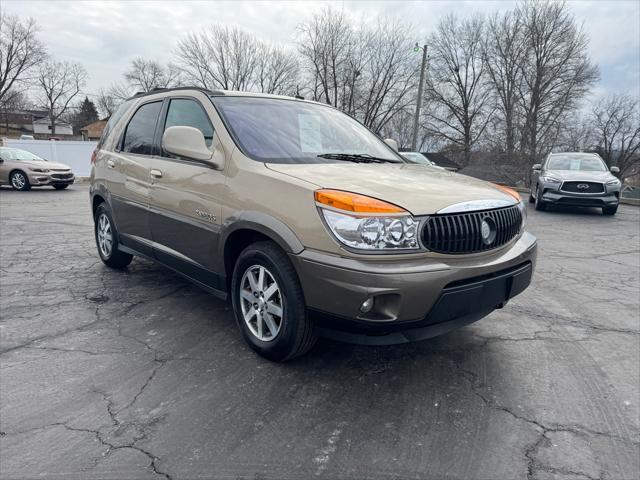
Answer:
(460, 233)
(582, 187)
(62, 176)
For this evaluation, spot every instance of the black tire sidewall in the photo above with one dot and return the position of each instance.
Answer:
(294, 312)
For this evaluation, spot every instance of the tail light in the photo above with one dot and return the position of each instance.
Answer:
(93, 156)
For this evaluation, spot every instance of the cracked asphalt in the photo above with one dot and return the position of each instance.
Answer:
(139, 374)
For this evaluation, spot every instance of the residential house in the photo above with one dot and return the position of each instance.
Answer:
(93, 131)
(42, 127)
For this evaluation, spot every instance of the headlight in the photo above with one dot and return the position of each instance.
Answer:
(366, 223)
(550, 179)
(39, 170)
(523, 211)
(613, 183)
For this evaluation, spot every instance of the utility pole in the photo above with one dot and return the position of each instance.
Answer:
(417, 48)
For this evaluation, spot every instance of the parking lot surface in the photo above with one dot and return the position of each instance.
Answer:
(140, 374)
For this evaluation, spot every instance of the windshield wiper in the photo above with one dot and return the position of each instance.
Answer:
(355, 157)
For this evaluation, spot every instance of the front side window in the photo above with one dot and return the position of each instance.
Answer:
(19, 155)
(582, 163)
(189, 113)
(138, 138)
(288, 131)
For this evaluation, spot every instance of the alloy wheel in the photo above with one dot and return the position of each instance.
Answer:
(261, 302)
(18, 180)
(105, 235)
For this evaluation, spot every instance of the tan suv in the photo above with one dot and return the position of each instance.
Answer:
(309, 222)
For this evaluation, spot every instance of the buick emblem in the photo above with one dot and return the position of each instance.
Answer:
(488, 231)
(583, 186)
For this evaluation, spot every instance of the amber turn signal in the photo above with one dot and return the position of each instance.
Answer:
(508, 191)
(354, 202)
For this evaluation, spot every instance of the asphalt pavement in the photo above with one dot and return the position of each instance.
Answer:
(140, 374)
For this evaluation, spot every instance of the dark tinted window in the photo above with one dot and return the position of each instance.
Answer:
(189, 113)
(113, 120)
(139, 135)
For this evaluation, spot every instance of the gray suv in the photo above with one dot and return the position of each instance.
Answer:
(575, 179)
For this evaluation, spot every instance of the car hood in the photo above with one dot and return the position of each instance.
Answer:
(573, 175)
(420, 189)
(48, 165)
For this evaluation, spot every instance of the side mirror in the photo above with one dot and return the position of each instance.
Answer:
(614, 170)
(392, 143)
(188, 142)
(537, 167)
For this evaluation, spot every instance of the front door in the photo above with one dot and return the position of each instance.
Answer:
(186, 199)
(131, 162)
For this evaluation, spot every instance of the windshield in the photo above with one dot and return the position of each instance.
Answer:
(19, 155)
(583, 163)
(415, 157)
(289, 131)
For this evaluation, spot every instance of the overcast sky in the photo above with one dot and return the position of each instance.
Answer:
(105, 36)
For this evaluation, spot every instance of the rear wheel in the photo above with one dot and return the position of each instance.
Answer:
(609, 210)
(20, 181)
(60, 187)
(269, 305)
(107, 240)
(541, 205)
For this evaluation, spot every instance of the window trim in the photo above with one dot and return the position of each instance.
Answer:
(164, 114)
(120, 145)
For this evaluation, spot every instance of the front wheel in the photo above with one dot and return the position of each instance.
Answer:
(269, 305)
(540, 204)
(20, 181)
(107, 240)
(609, 210)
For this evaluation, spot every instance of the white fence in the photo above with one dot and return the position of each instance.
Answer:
(75, 154)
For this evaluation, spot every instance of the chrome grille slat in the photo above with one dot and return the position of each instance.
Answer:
(460, 233)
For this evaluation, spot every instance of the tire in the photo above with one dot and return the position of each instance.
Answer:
(60, 187)
(541, 206)
(277, 337)
(19, 181)
(531, 199)
(609, 210)
(107, 240)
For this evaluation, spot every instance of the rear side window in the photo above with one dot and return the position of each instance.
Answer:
(113, 120)
(138, 138)
(189, 113)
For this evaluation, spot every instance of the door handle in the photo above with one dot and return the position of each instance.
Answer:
(156, 173)
(110, 164)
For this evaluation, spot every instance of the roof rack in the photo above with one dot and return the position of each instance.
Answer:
(162, 89)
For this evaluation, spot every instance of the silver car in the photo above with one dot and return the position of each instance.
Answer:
(575, 179)
(23, 170)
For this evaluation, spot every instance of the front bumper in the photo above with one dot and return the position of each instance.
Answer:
(433, 295)
(557, 197)
(37, 179)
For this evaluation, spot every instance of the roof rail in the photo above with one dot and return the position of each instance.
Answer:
(162, 89)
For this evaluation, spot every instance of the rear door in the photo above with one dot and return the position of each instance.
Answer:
(131, 160)
(187, 196)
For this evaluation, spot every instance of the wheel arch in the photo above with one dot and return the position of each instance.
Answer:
(246, 228)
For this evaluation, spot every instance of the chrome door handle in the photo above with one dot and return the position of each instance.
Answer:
(110, 164)
(156, 173)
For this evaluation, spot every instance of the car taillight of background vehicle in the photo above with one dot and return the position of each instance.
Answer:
(94, 154)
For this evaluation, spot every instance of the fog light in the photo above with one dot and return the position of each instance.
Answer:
(367, 305)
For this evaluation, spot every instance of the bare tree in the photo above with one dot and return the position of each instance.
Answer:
(576, 133)
(13, 100)
(146, 75)
(456, 83)
(557, 72)
(616, 122)
(59, 83)
(505, 51)
(220, 57)
(276, 70)
(326, 44)
(20, 52)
